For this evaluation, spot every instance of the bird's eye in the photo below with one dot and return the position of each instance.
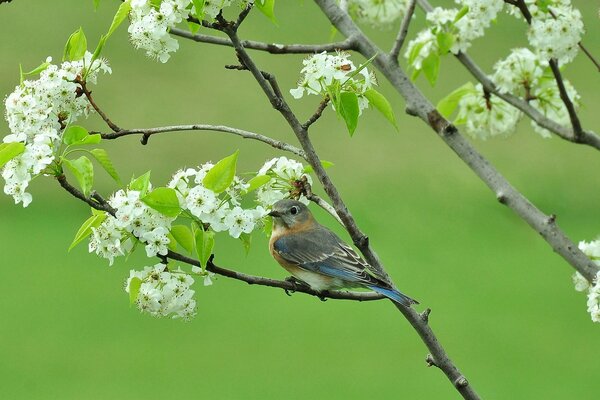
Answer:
(294, 210)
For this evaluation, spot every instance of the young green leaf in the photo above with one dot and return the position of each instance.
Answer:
(164, 200)
(86, 228)
(461, 13)
(104, 160)
(347, 108)
(221, 175)
(99, 48)
(246, 240)
(134, 289)
(379, 101)
(74, 134)
(257, 181)
(326, 164)
(360, 68)
(431, 68)
(193, 27)
(414, 52)
(76, 46)
(172, 245)
(96, 4)
(120, 16)
(83, 170)
(8, 151)
(205, 242)
(199, 6)
(448, 104)
(36, 70)
(267, 8)
(445, 40)
(141, 184)
(184, 236)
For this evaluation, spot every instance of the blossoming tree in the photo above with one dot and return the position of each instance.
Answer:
(177, 224)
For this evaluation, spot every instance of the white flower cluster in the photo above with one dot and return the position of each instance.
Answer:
(469, 27)
(592, 250)
(547, 100)
(149, 27)
(222, 211)
(284, 173)
(322, 72)
(164, 293)
(36, 113)
(114, 238)
(486, 116)
(376, 12)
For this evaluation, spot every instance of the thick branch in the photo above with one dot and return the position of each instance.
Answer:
(403, 30)
(147, 132)
(272, 48)
(419, 106)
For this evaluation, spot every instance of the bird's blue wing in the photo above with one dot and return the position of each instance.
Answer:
(322, 251)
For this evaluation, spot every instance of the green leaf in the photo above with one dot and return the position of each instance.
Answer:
(221, 175)
(326, 164)
(267, 8)
(448, 104)
(205, 242)
(36, 70)
(120, 16)
(164, 200)
(83, 170)
(99, 48)
(86, 228)
(104, 160)
(461, 13)
(76, 46)
(172, 242)
(8, 151)
(184, 236)
(199, 5)
(414, 52)
(360, 68)
(74, 134)
(257, 181)
(141, 184)
(445, 40)
(347, 108)
(193, 27)
(96, 4)
(134, 289)
(431, 68)
(379, 101)
(246, 240)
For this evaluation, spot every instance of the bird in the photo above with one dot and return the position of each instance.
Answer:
(316, 256)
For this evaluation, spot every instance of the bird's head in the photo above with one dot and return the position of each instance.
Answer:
(290, 214)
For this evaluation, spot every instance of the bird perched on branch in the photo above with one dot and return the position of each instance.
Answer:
(316, 256)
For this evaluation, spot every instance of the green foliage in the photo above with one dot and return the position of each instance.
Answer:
(205, 242)
(77, 135)
(431, 68)
(462, 12)
(199, 5)
(257, 182)
(86, 228)
(326, 164)
(267, 7)
(76, 46)
(448, 104)
(83, 170)
(140, 184)
(445, 41)
(96, 4)
(104, 160)
(134, 289)
(164, 200)
(34, 71)
(382, 104)
(346, 105)
(8, 151)
(221, 175)
(184, 236)
(120, 16)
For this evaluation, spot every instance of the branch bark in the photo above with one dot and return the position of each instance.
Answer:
(403, 30)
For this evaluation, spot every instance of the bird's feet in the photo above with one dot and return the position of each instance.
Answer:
(296, 283)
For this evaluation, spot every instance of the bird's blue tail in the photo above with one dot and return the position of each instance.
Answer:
(394, 295)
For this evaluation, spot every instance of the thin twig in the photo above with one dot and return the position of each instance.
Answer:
(317, 114)
(403, 30)
(147, 132)
(272, 48)
(589, 55)
(62, 180)
(577, 130)
(88, 95)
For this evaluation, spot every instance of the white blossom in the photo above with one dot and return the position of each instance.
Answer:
(580, 282)
(284, 173)
(378, 13)
(547, 100)
(164, 293)
(519, 72)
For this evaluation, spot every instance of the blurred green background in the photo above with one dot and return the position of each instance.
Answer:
(503, 303)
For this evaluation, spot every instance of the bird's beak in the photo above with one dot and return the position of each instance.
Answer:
(274, 213)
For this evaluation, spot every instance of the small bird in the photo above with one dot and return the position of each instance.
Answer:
(316, 256)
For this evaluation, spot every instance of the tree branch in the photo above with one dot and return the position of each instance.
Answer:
(88, 95)
(313, 118)
(272, 48)
(564, 96)
(147, 132)
(403, 30)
